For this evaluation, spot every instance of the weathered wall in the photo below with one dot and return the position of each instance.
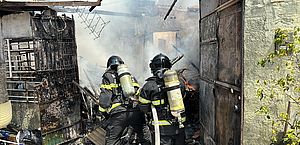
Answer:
(261, 18)
(12, 26)
(164, 40)
(182, 25)
(3, 93)
(16, 26)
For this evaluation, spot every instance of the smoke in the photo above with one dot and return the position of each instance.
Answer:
(179, 3)
(132, 38)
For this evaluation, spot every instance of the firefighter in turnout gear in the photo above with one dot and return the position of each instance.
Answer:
(162, 91)
(118, 105)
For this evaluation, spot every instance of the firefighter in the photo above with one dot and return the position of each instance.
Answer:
(166, 99)
(118, 105)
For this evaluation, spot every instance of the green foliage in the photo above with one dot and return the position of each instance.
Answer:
(283, 85)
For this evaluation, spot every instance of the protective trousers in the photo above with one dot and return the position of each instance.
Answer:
(177, 139)
(120, 121)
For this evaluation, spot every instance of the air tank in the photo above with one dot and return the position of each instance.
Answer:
(174, 94)
(126, 80)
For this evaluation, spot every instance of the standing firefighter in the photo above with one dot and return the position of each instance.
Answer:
(116, 101)
(162, 96)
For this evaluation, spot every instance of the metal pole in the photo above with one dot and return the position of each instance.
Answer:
(9, 58)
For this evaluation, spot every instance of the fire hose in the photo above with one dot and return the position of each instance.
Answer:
(156, 126)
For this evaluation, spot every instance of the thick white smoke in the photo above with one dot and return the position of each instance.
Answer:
(121, 36)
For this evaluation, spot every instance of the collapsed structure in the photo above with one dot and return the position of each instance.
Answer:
(41, 71)
(40, 66)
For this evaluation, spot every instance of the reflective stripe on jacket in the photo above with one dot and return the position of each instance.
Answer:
(109, 86)
(113, 86)
(155, 102)
(109, 109)
(166, 122)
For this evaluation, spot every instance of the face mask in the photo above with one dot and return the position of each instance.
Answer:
(114, 67)
(160, 73)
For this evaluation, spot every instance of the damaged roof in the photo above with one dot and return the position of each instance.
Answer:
(15, 6)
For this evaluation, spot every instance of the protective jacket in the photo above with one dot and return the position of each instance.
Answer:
(120, 110)
(153, 92)
(111, 96)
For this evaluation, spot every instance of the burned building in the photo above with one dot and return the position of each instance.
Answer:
(175, 36)
(40, 64)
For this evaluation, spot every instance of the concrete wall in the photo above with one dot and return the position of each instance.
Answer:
(261, 18)
(164, 40)
(17, 25)
(12, 26)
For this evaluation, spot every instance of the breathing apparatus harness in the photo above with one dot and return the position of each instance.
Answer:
(124, 90)
(162, 103)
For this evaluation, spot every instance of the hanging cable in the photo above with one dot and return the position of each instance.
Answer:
(56, 28)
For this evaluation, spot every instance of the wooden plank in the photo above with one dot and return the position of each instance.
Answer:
(208, 61)
(207, 111)
(230, 41)
(227, 118)
(221, 7)
(208, 6)
(97, 136)
(209, 28)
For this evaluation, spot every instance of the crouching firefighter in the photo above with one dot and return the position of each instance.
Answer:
(161, 98)
(116, 101)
